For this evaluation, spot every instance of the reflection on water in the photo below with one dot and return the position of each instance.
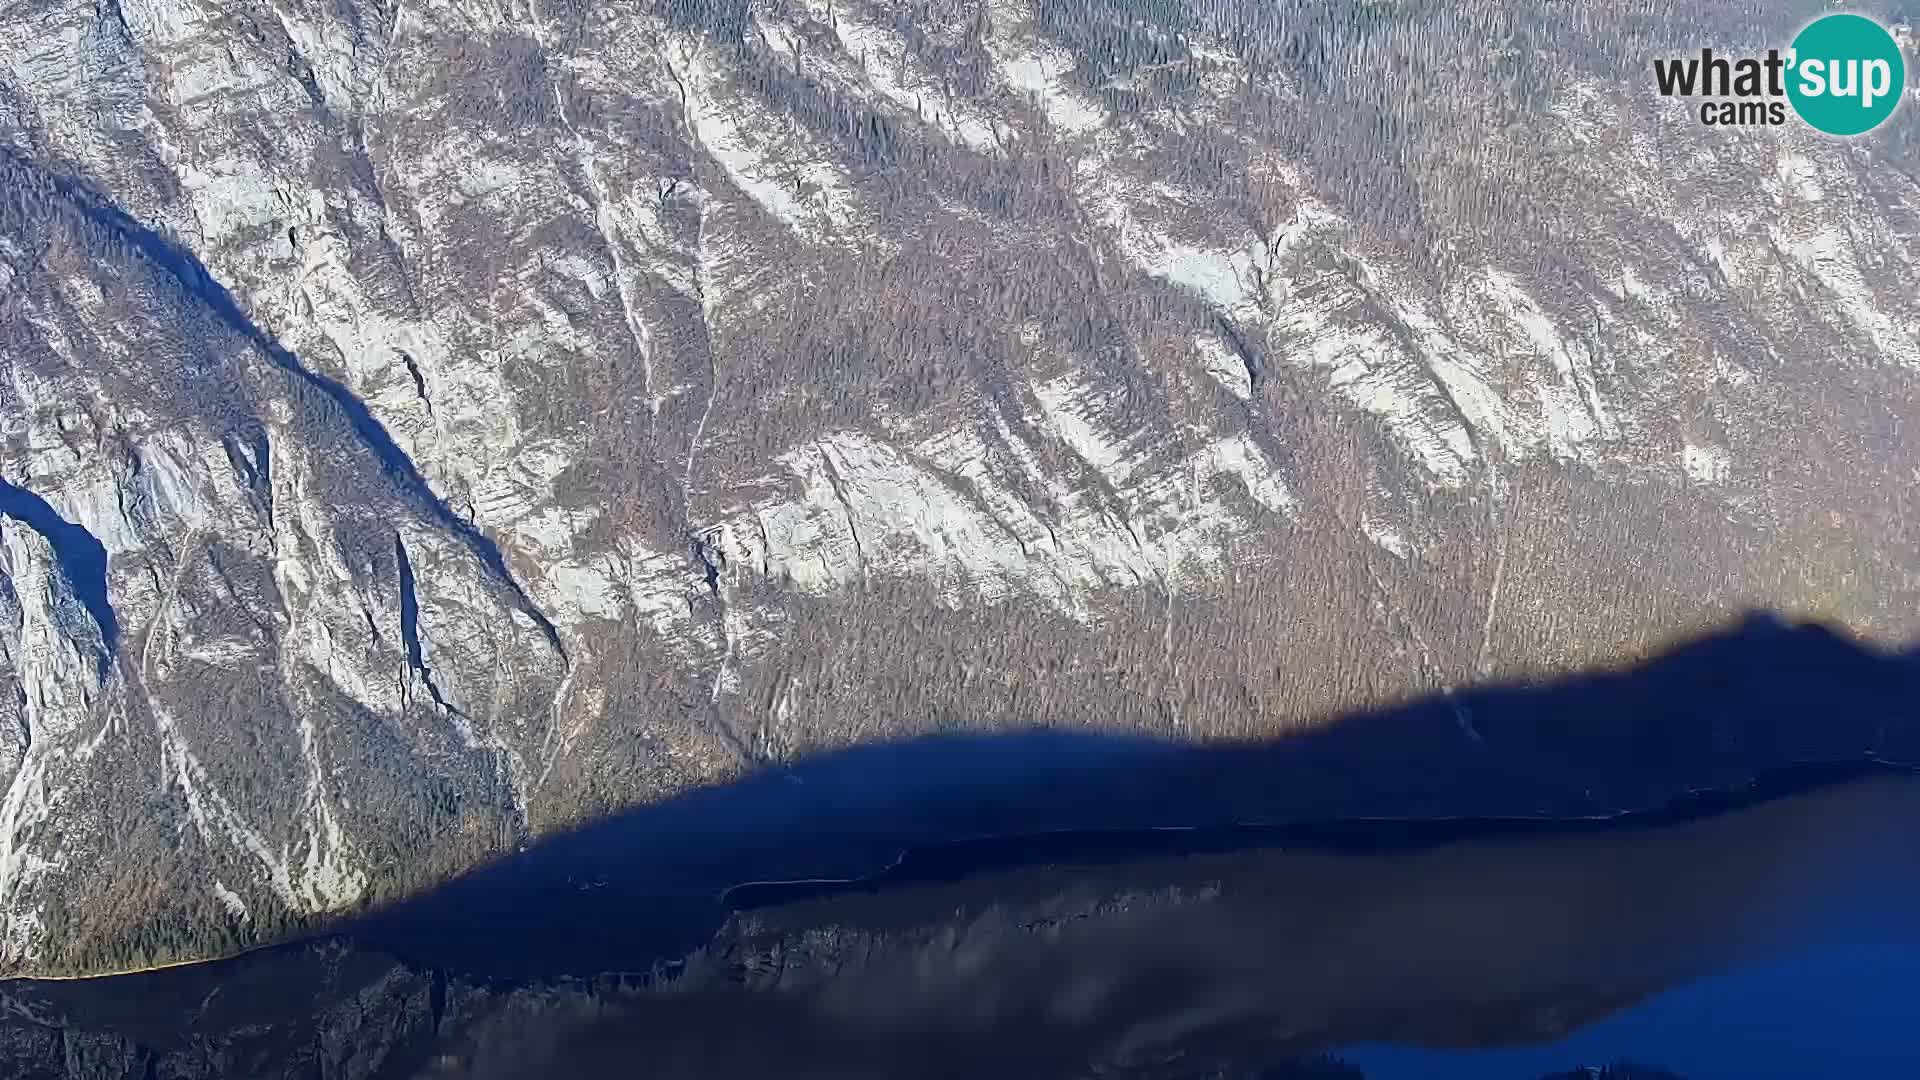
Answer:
(1781, 939)
(1190, 966)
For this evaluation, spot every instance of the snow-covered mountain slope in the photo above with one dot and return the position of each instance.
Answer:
(427, 425)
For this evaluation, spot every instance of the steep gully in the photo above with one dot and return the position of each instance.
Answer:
(410, 625)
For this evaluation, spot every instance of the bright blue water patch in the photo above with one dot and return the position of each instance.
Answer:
(1828, 1011)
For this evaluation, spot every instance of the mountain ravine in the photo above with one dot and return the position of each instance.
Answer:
(424, 426)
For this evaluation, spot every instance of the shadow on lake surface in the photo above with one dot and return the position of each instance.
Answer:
(1759, 703)
(1496, 869)
(1534, 952)
(1196, 965)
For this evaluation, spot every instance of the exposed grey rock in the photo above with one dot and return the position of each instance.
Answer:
(495, 417)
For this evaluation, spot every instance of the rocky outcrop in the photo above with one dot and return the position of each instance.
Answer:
(207, 611)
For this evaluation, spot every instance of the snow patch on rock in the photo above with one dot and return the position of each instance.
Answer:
(1326, 327)
(952, 510)
(766, 155)
(230, 196)
(1223, 364)
(1797, 174)
(1576, 417)
(1238, 456)
(1226, 277)
(1386, 536)
(230, 900)
(1827, 254)
(1074, 408)
(1703, 464)
(1633, 288)
(891, 69)
(1039, 71)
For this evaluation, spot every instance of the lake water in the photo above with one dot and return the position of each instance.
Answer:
(1828, 1011)
(1738, 937)
(1779, 939)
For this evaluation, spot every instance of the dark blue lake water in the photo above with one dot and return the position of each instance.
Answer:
(1822, 1011)
(1777, 939)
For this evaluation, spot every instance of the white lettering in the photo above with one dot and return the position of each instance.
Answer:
(1879, 80)
(1848, 86)
(1813, 77)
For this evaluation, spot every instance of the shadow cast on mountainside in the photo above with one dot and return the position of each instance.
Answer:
(176, 262)
(81, 557)
(645, 887)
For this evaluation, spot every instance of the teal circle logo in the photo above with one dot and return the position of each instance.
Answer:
(1846, 74)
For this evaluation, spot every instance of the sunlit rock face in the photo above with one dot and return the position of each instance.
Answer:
(432, 425)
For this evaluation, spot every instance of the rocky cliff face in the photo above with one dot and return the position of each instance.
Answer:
(423, 426)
